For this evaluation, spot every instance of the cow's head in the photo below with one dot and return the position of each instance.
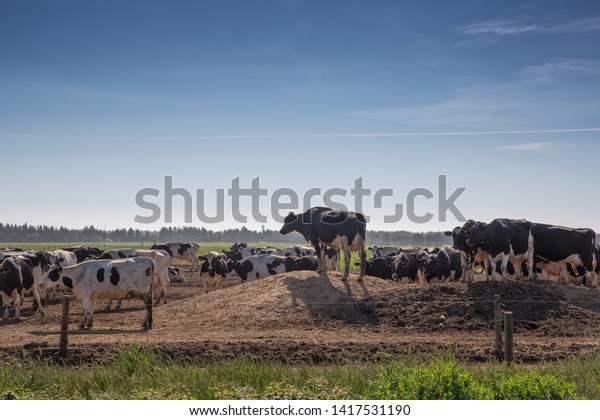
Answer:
(290, 223)
(176, 275)
(431, 266)
(52, 277)
(476, 235)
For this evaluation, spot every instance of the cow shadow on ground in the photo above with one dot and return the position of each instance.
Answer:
(326, 297)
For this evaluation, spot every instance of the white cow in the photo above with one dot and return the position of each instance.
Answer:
(106, 279)
(161, 260)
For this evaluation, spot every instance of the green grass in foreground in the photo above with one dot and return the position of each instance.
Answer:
(143, 373)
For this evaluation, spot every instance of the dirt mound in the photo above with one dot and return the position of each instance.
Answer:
(308, 300)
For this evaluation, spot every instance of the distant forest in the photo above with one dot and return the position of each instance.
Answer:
(11, 233)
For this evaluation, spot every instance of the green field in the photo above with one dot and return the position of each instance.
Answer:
(144, 373)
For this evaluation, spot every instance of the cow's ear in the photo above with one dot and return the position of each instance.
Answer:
(448, 233)
(201, 258)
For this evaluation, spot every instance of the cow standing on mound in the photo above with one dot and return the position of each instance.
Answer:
(326, 227)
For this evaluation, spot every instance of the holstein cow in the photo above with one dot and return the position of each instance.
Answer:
(161, 270)
(472, 253)
(443, 266)
(380, 267)
(106, 279)
(503, 239)
(176, 275)
(332, 259)
(308, 263)
(297, 251)
(338, 229)
(382, 251)
(558, 243)
(259, 266)
(213, 270)
(16, 277)
(84, 253)
(185, 251)
(406, 268)
(114, 254)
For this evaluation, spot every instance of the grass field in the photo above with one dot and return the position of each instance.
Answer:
(144, 373)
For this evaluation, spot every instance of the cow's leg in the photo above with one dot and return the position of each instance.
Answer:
(85, 303)
(118, 305)
(36, 297)
(487, 262)
(17, 302)
(5, 302)
(90, 317)
(147, 298)
(363, 262)
(346, 252)
(503, 266)
(320, 267)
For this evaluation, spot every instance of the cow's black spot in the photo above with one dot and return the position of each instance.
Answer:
(54, 275)
(100, 275)
(67, 281)
(114, 276)
(270, 269)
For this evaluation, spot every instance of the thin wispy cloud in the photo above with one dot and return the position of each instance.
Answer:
(496, 27)
(499, 28)
(549, 72)
(539, 146)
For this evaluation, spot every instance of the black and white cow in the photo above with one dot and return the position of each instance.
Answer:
(106, 279)
(338, 229)
(380, 267)
(406, 267)
(84, 253)
(259, 266)
(382, 251)
(161, 270)
(558, 243)
(308, 263)
(186, 251)
(443, 266)
(503, 239)
(297, 251)
(114, 254)
(176, 275)
(16, 277)
(213, 270)
(472, 254)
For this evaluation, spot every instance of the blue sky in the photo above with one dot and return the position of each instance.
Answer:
(99, 99)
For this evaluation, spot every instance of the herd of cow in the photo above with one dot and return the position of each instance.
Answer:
(91, 274)
(504, 247)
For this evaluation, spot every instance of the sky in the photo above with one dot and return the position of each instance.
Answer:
(102, 99)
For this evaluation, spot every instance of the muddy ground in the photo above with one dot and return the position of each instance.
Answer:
(307, 317)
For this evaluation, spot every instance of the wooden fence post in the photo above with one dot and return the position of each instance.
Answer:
(508, 337)
(64, 327)
(498, 326)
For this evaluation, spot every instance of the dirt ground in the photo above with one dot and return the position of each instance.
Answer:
(307, 317)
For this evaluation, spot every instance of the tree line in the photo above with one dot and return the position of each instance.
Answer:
(10, 233)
